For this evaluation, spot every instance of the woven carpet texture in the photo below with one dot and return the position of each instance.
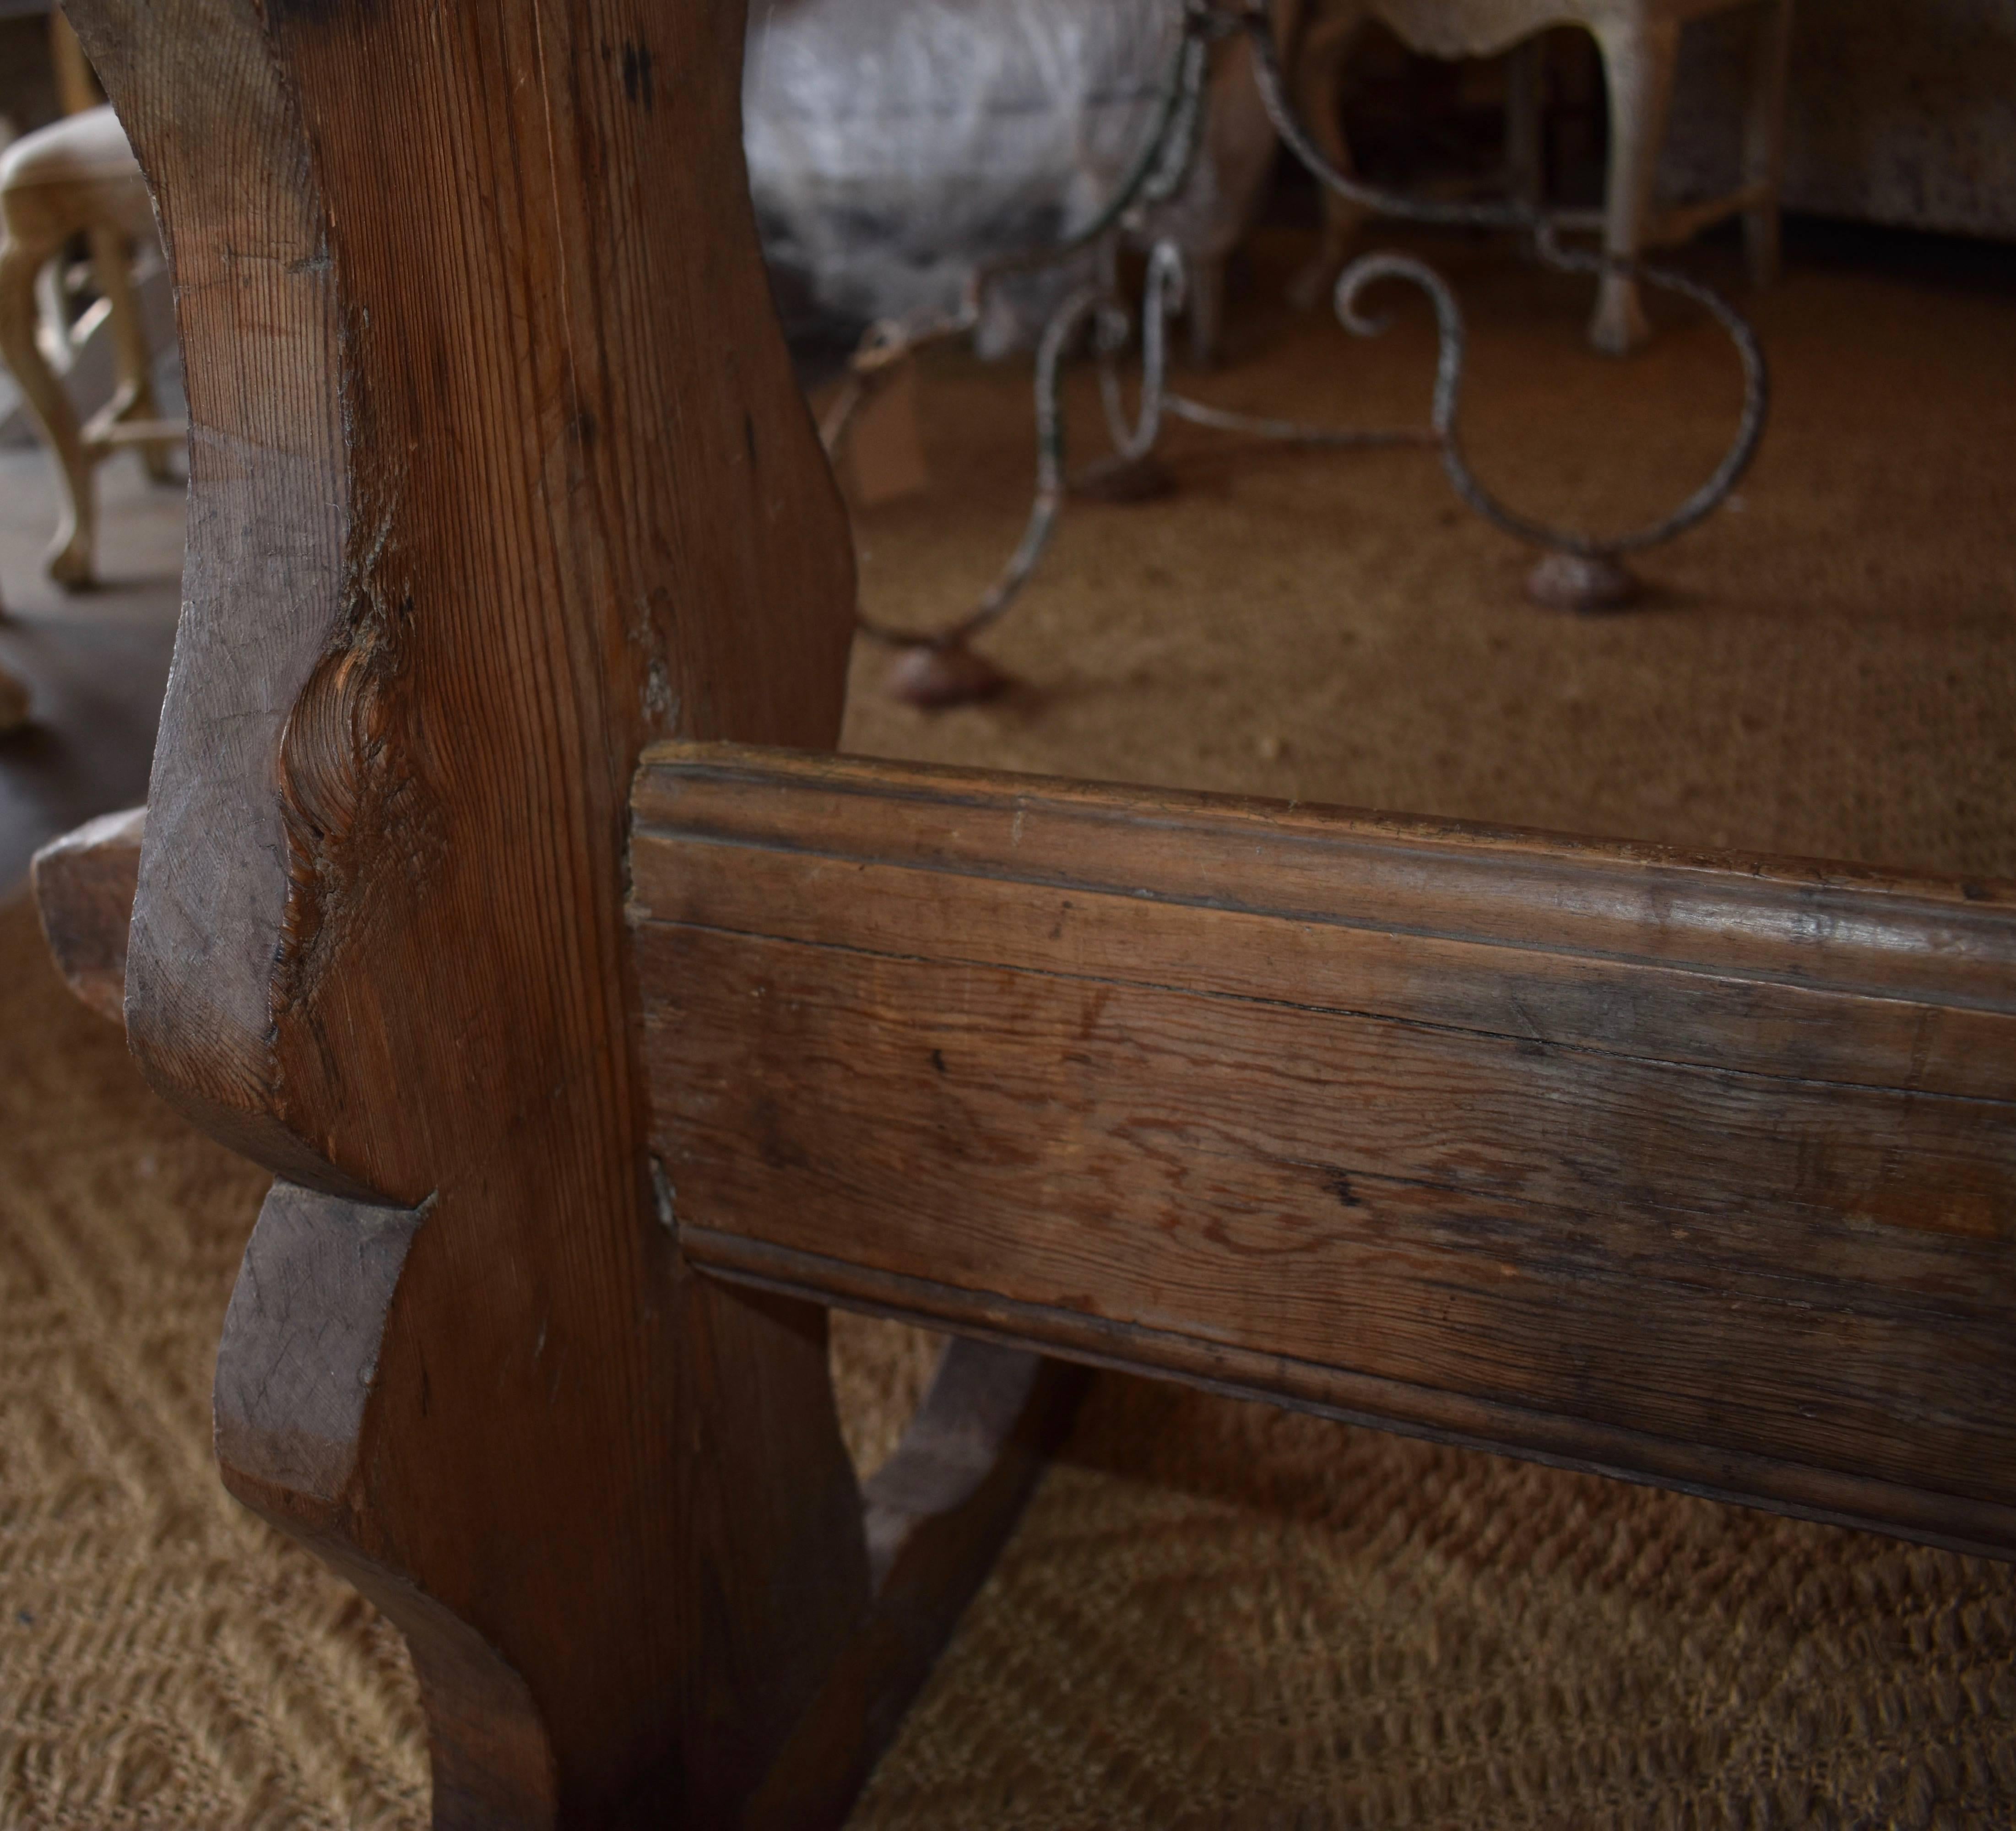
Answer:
(1213, 1613)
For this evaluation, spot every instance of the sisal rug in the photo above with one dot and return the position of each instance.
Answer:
(1213, 1613)
(1827, 668)
(166, 1659)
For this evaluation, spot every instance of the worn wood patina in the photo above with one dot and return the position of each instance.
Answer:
(590, 1071)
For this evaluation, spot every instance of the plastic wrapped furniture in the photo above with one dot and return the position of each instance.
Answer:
(894, 146)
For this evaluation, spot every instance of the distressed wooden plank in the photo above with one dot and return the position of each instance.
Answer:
(1336, 1191)
(1542, 996)
(1845, 926)
(1843, 1497)
(1674, 1165)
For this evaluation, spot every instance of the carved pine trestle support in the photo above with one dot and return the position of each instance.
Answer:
(497, 471)
(1581, 571)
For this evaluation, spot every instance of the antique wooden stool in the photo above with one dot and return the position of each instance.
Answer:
(1639, 41)
(78, 177)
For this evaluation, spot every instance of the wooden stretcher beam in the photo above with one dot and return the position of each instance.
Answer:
(1698, 1170)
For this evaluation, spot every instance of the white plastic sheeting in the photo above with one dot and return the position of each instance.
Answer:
(894, 144)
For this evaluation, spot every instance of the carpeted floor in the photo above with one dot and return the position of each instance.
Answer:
(165, 1658)
(1828, 670)
(1213, 1614)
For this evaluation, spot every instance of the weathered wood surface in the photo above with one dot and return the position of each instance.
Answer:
(498, 473)
(1696, 1169)
(84, 885)
(497, 470)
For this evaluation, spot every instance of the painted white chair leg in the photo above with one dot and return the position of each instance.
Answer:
(70, 554)
(1639, 57)
(112, 259)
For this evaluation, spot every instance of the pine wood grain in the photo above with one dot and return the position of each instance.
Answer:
(1688, 1168)
(497, 471)
(1698, 1169)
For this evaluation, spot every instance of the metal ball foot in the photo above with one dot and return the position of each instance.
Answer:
(1583, 582)
(936, 677)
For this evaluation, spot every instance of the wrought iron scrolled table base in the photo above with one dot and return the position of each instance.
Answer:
(1578, 571)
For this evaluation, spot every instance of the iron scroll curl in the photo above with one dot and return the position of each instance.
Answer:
(1155, 173)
